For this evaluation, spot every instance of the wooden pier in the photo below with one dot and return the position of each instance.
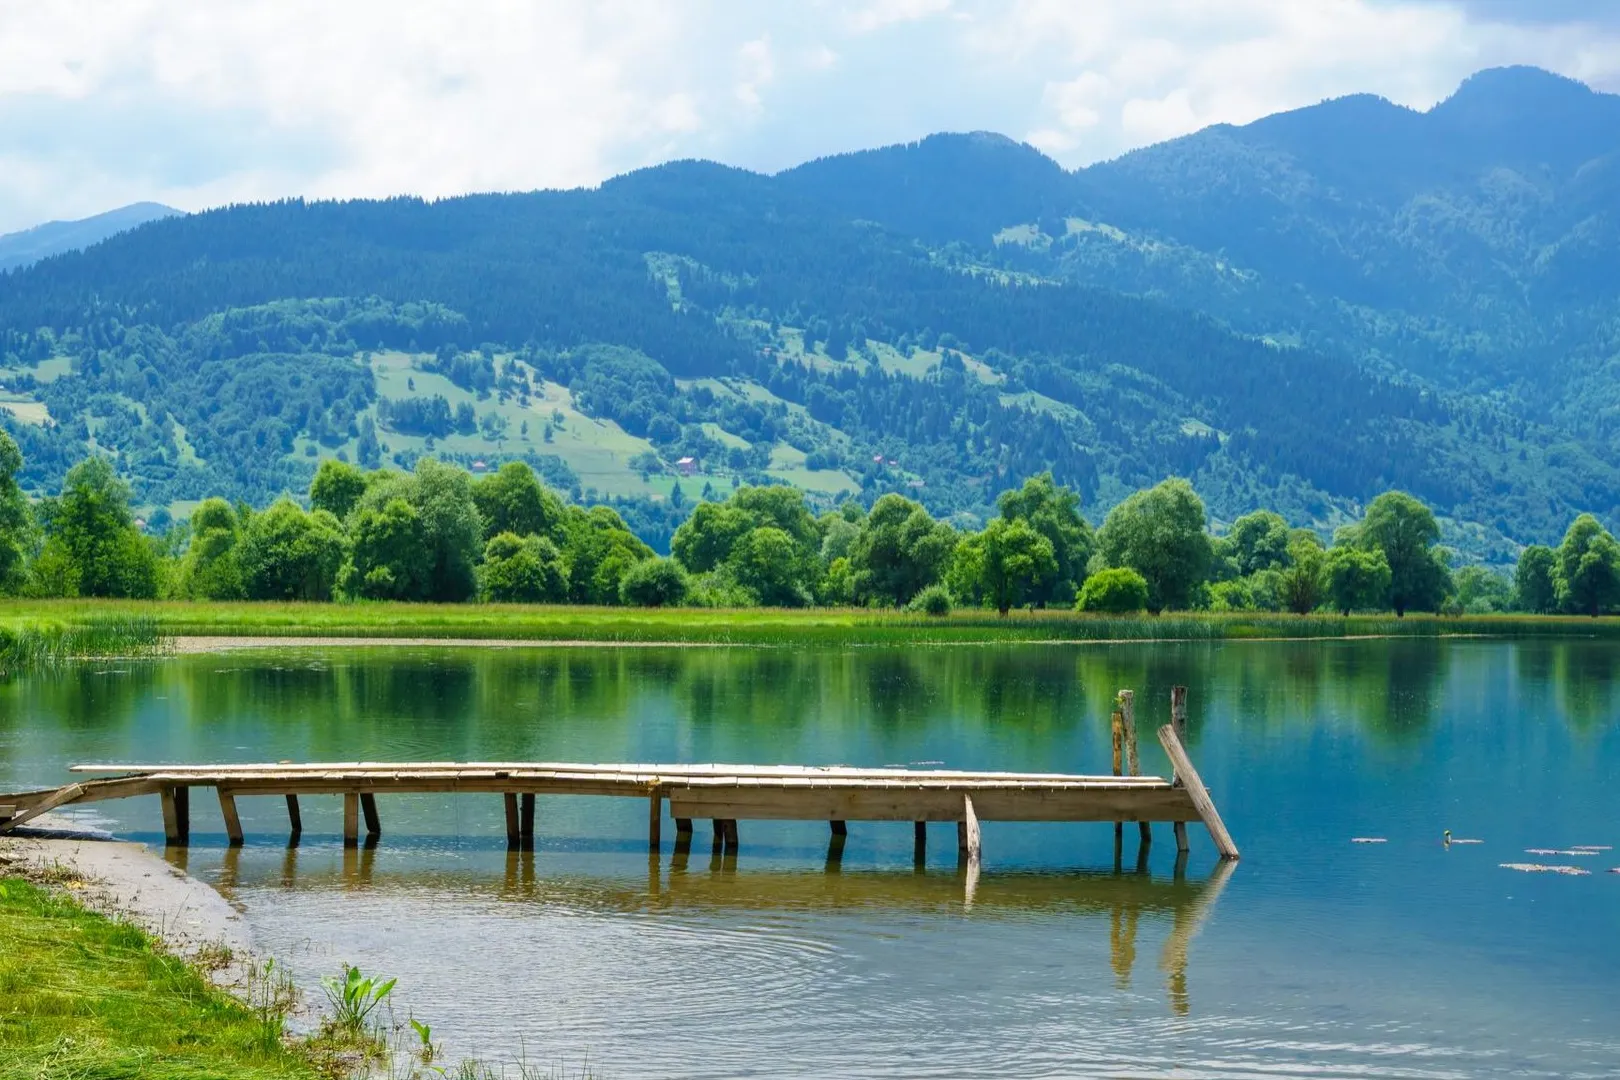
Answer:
(722, 794)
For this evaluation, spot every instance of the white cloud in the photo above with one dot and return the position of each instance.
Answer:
(104, 102)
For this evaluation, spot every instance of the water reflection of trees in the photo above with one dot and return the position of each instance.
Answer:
(995, 705)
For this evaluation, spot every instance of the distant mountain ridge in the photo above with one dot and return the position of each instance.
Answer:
(1298, 312)
(27, 246)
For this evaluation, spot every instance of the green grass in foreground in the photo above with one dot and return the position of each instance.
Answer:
(88, 998)
(751, 626)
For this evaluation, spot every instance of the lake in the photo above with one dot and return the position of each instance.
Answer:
(1312, 956)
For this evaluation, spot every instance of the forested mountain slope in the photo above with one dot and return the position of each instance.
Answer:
(1296, 314)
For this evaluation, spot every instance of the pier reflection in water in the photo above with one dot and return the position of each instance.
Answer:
(1173, 908)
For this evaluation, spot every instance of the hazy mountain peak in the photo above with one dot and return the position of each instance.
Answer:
(54, 237)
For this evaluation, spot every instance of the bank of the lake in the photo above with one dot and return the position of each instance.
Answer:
(86, 995)
(748, 626)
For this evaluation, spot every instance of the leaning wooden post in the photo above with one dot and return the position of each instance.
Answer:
(1178, 721)
(1133, 755)
(1117, 726)
(1197, 792)
(295, 817)
(233, 822)
(968, 844)
(368, 806)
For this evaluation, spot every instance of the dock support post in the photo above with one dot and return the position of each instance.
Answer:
(351, 819)
(233, 822)
(1116, 725)
(1178, 720)
(840, 828)
(1133, 754)
(1197, 792)
(719, 835)
(731, 835)
(368, 806)
(919, 842)
(526, 821)
(655, 819)
(176, 814)
(514, 834)
(295, 817)
(967, 832)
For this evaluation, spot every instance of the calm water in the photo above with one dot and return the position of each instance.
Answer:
(1311, 957)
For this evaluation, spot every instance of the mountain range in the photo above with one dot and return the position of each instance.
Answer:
(1298, 314)
(19, 249)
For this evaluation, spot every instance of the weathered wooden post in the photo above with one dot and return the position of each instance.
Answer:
(1127, 710)
(1117, 727)
(655, 818)
(514, 831)
(919, 842)
(233, 822)
(1178, 721)
(526, 821)
(351, 819)
(176, 814)
(368, 806)
(968, 843)
(1197, 792)
(295, 817)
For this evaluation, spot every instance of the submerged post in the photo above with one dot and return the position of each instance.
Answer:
(368, 806)
(514, 832)
(351, 819)
(526, 822)
(295, 817)
(655, 818)
(1117, 727)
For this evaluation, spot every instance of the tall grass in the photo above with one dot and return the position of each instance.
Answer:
(40, 633)
(30, 645)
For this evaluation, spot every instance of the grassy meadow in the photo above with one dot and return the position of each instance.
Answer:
(63, 628)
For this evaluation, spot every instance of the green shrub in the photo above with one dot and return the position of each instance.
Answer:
(1119, 591)
(655, 583)
(934, 600)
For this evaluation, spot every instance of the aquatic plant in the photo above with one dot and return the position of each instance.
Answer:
(354, 997)
(33, 645)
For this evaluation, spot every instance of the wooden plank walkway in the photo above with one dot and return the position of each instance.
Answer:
(723, 794)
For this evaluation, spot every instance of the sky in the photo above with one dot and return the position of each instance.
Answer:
(195, 104)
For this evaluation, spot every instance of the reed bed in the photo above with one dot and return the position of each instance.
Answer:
(40, 633)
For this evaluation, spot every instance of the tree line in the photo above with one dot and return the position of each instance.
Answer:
(439, 534)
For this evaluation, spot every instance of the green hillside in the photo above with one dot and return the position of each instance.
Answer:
(1297, 314)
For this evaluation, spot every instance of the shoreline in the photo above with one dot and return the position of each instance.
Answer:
(126, 880)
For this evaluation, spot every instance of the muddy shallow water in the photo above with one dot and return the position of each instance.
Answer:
(1313, 956)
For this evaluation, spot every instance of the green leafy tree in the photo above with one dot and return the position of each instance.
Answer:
(1054, 512)
(1302, 581)
(1357, 579)
(16, 523)
(770, 564)
(522, 570)
(1116, 591)
(1535, 580)
(1257, 541)
(900, 550)
(513, 500)
(1588, 568)
(838, 584)
(1159, 533)
(337, 486)
(210, 569)
(655, 582)
(91, 539)
(287, 553)
(388, 554)
(1017, 563)
(1480, 591)
(601, 549)
(1405, 531)
(440, 564)
(705, 539)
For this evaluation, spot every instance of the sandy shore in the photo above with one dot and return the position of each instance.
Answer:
(130, 881)
(190, 646)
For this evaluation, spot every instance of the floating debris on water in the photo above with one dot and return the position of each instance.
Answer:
(1558, 851)
(1541, 868)
(1368, 840)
